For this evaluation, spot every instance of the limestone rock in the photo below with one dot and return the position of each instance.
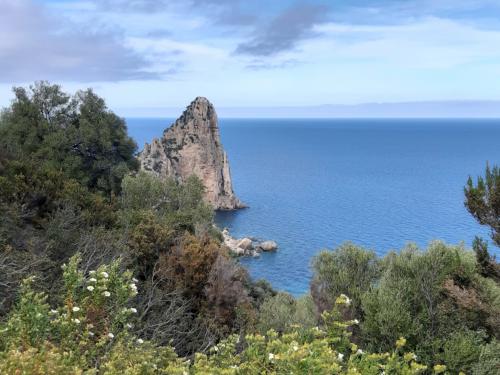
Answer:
(245, 244)
(191, 145)
(268, 246)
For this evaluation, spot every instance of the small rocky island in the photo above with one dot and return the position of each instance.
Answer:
(191, 145)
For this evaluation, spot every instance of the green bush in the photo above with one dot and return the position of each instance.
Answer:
(437, 299)
(348, 270)
(282, 312)
(90, 332)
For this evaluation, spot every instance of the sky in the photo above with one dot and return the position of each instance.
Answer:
(144, 55)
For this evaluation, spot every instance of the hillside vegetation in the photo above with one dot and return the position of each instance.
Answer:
(108, 270)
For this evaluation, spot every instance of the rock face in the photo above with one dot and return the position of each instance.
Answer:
(190, 146)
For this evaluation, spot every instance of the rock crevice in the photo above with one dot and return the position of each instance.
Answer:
(191, 145)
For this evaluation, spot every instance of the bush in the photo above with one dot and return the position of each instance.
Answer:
(489, 360)
(91, 332)
(437, 299)
(348, 270)
(282, 312)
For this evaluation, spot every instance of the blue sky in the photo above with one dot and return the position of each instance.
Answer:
(142, 54)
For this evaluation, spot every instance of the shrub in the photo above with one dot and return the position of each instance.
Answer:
(282, 312)
(348, 270)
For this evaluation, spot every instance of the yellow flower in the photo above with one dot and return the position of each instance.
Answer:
(401, 342)
(439, 369)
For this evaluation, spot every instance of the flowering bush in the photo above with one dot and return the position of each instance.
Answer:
(91, 329)
(90, 332)
(325, 350)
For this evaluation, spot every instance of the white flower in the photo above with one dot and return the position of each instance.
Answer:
(76, 309)
(340, 356)
(359, 351)
(133, 287)
(53, 311)
(111, 336)
(104, 274)
(271, 356)
(39, 315)
(92, 272)
(76, 321)
(91, 334)
(140, 341)
(133, 310)
(356, 321)
(347, 299)
(216, 348)
(135, 280)
(295, 348)
(129, 325)
(106, 293)
(90, 325)
(90, 288)
(92, 280)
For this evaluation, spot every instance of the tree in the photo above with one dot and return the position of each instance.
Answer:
(483, 200)
(77, 135)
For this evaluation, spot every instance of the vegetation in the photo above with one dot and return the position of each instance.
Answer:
(483, 200)
(91, 331)
(106, 270)
(437, 299)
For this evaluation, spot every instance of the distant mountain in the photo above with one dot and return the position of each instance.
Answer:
(423, 109)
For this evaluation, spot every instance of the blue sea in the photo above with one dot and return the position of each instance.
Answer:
(314, 184)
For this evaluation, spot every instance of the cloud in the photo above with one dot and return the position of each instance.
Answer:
(159, 34)
(260, 64)
(284, 31)
(428, 43)
(35, 45)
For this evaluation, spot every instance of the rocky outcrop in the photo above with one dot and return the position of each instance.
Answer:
(190, 146)
(268, 246)
(247, 246)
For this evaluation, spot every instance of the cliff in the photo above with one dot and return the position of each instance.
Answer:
(190, 146)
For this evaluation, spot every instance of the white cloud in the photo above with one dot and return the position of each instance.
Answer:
(35, 45)
(429, 43)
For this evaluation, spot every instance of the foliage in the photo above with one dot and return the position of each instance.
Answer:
(489, 360)
(91, 329)
(348, 270)
(282, 312)
(76, 135)
(91, 333)
(483, 200)
(436, 299)
(486, 265)
(68, 186)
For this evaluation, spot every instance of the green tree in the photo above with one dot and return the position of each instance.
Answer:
(483, 200)
(77, 135)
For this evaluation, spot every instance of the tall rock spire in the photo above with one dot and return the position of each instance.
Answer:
(190, 146)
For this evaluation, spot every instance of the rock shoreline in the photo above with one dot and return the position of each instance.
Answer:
(247, 246)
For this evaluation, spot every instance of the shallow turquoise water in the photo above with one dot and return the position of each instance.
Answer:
(313, 184)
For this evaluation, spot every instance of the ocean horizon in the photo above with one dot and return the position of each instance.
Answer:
(313, 184)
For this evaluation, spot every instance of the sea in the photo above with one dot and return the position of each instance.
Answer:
(314, 184)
